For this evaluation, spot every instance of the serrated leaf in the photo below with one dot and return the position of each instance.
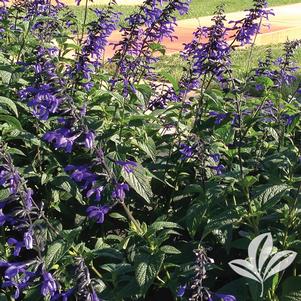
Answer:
(120, 268)
(139, 180)
(147, 267)
(159, 225)
(5, 75)
(108, 252)
(271, 193)
(149, 147)
(9, 104)
(4, 194)
(55, 252)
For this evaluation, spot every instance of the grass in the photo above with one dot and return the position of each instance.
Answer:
(173, 64)
(198, 8)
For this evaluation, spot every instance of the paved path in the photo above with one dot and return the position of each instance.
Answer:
(286, 24)
(105, 2)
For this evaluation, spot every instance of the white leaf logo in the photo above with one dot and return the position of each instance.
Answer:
(261, 265)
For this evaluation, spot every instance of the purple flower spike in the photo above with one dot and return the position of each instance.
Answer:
(119, 191)
(49, 285)
(28, 198)
(98, 213)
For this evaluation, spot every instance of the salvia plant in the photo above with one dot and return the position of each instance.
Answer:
(118, 182)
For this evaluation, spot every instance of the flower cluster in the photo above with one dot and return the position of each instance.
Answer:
(43, 95)
(18, 211)
(84, 289)
(93, 47)
(44, 16)
(248, 27)
(135, 52)
(196, 290)
(209, 52)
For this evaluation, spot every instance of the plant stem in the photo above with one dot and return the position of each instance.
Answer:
(130, 216)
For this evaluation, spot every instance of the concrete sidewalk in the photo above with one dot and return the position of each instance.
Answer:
(286, 24)
(105, 2)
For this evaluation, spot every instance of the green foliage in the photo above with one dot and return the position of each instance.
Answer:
(175, 204)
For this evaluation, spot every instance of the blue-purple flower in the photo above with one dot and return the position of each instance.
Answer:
(222, 297)
(181, 290)
(187, 151)
(89, 140)
(219, 169)
(18, 245)
(28, 198)
(249, 26)
(62, 138)
(97, 191)
(219, 117)
(63, 296)
(28, 240)
(49, 285)
(216, 157)
(16, 276)
(98, 213)
(2, 217)
(119, 191)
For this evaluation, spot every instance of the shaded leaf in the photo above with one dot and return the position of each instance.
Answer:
(9, 104)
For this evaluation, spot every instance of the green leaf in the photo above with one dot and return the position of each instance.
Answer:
(148, 146)
(5, 74)
(291, 289)
(271, 194)
(4, 194)
(273, 133)
(66, 184)
(160, 225)
(171, 79)
(220, 221)
(59, 248)
(147, 267)
(9, 103)
(12, 121)
(170, 250)
(157, 47)
(139, 180)
(55, 252)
